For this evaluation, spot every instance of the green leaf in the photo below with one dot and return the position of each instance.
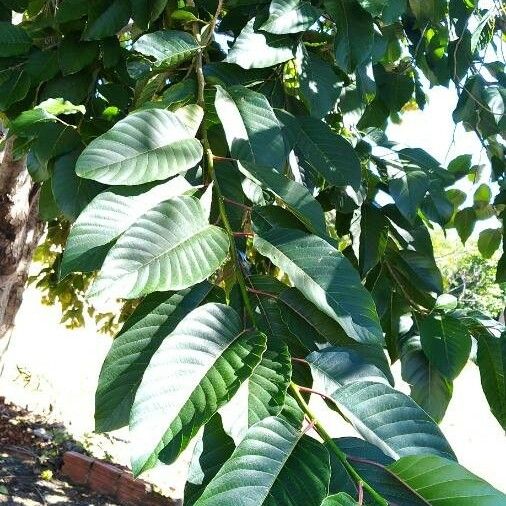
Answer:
(387, 418)
(252, 130)
(336, 367)
(290, 16)
(341, 499)
(70, 10)
(319, 87)
(492, 363)
(14, 41)
(295, 196)
(394, 88)
(42, 66)
(145, 146)
(429, 388)
(209, 455)
(269, 382)
(326, 278)
(489, 241)
(443, 482)
(108, 21)
(465, 221)
(14, 89)
(446, 342)
(354, 33)
(482, 196)
(195, 371)
(72, 194)
(146, 11)
(131, 351)
(373, 237)
(374, 7)
(408, 192)
(109, 215)
(261, 469)
(74, 55)
(167, 48)
(322, 151)
(254, 49)
(171, 247)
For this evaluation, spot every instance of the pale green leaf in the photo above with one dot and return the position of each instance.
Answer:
(290, 16)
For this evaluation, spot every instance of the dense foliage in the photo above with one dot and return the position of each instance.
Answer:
(226, 163)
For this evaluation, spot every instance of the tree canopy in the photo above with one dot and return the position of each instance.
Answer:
(223, 166)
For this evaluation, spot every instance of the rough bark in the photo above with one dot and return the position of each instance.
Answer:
(20, 231)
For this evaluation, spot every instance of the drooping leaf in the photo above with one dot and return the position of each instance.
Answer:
(256, 49)
(373, 237)
(318, 83)
(253, 132)
(167, 48)
(408, 191)
(492, 363)
(294, 195)
(109, 21)
(440, 481)
(109, 215)
(269, 382)
(489, 241)
(326, 278)
(322, 151)
(209, 455)
(429, 388)
(446, 342)
(290, 16)
(260, 471)
(354, 33)
(194, 372)
(145, 146)
(387, 418)
(171, 247)
(131, 351)
(465, 220)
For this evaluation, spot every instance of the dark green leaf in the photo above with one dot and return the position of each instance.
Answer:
(489, 241)
(408, 191)
(195, 371)
(146, 11)
(108, 21)
(446, 342)
(14, 40)
(131, 351)
(74, 55)
(326, 278)
(465, 221)
(260, 471)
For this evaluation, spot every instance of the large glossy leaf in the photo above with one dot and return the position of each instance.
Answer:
(261, 469)
(322, 151)
(408, 191)
(269, 382)
(109, 215)
(256, 49)
(195, 371)
(107, 21)
(334, 367)
(167, 48)
(318, 83)
(373, 237)
(355, 32)
(290, 16)
(14, 40)
(385, 417)
(253, 132)
(146, 146)
(492, 363)
(209, 455)
(171, 247)
(442, 482)
(446, 342)
(152, 321)
(429, 388)
(326, 278)
(294, 195)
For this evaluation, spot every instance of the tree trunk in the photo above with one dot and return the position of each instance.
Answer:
(20, 231)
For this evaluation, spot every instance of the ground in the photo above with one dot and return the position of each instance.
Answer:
(54, 371)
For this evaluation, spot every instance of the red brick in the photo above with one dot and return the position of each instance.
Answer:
(132, 492)
(104, 478)
(77, 467)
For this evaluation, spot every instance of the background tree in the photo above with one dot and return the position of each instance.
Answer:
(225, 169)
